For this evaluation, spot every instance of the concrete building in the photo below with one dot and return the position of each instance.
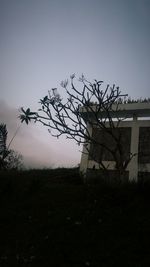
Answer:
(136, 137)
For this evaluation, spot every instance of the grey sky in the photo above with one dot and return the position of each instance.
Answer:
(42, 42)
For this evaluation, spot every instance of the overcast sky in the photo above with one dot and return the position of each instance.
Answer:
(42, 42)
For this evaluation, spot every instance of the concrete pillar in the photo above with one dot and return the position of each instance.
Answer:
(133, 166)
(85, 155)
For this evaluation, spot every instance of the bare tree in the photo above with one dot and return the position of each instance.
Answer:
(88, 105)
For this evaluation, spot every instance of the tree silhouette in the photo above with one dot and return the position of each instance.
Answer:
(9, 159)
(3, 148)
(89, 105)
(14, 160)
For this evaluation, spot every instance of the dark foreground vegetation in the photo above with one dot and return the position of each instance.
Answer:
(50, 218)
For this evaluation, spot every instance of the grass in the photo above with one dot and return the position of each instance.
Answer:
(50, 218)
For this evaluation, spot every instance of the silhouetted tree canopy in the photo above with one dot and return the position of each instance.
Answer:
(82, 104)
(9, 159)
